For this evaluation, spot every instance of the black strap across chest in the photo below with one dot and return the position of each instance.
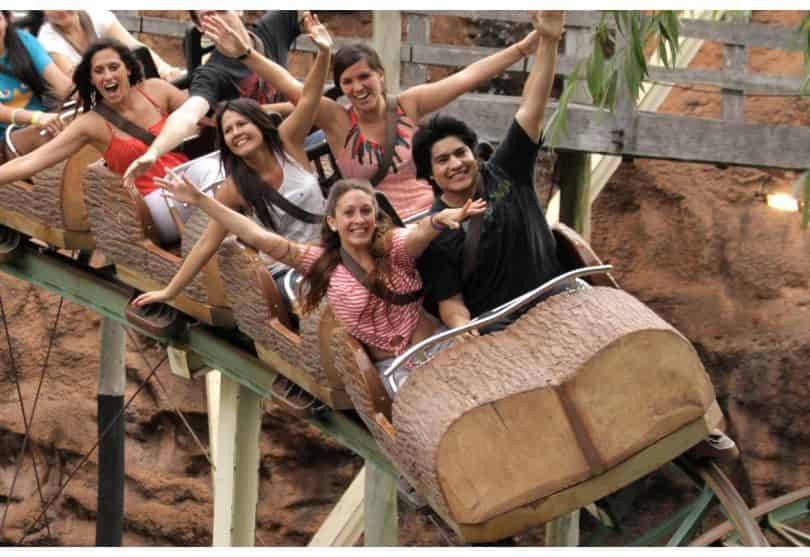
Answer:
(391, 118)
(288, 206)
(377, 288)
(123, 124)
(472, 239)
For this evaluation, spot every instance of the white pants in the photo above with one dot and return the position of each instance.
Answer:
(204, 172)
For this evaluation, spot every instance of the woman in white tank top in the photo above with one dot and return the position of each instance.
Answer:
(263, 161)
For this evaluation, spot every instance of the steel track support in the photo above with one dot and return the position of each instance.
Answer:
(236, 473)
(111, 385)
(380, 506)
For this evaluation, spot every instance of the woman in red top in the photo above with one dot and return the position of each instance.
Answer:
(109, 72)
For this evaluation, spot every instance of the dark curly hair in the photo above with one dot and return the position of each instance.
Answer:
(19, 60)
(316, 281)
(83, 84)
(249, 185)
(434, 129)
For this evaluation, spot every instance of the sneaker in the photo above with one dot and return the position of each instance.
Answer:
(717, 446)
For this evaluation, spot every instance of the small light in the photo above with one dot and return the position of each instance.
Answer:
(783, 202)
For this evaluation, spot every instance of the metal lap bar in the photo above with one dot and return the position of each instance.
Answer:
(491, 316)
(69, 109)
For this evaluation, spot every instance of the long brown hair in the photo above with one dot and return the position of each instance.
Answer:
(320, 273)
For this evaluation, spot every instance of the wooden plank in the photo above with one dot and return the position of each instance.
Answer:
(417, 28)
(662, 136)
(745, 34)
(750, 83)
(380, 507)
(67, 239)
(734, 58)
(387, 41)
(344, 525)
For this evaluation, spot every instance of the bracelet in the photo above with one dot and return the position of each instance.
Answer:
(14, 116)
(247, 53)
(437, 227)
(35, 117)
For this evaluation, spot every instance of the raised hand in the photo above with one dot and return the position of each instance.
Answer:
(224, 37)
(549, 23)
(452, 218)
(317, 31)
(179, 188)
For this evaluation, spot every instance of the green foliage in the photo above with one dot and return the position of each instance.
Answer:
(618, 51)
(804, 32)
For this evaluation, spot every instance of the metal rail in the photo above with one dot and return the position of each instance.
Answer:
(491, 316)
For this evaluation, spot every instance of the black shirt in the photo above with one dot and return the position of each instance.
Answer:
(223, 78)
(516, 252)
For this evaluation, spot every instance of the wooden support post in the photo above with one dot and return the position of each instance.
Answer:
(344, 525)
(111, 384)
(212, 383)
(575, 167)
(380, 507)
(387, 41)
(563, 531)
(236, 477)
(734, 60)
(417, 27)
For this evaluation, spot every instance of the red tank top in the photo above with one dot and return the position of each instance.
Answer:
(122, 151)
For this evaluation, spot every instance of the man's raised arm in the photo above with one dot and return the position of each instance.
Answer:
(181, 124)
(549, 25)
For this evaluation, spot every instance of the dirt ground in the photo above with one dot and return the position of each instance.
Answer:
(694, 242)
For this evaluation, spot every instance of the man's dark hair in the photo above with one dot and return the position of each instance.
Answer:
(434, 129)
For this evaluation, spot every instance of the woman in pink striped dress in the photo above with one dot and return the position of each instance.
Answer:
(386, 316)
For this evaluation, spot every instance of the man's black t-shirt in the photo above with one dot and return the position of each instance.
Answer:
(223, 78)
(516, 252)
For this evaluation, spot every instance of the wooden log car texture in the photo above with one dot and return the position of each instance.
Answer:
(579, 384)
(304, 357)
(51, 206)
(117, 224)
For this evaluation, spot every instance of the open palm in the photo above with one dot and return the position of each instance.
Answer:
(317, 31)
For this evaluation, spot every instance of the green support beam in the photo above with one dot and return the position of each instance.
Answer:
(99, 292)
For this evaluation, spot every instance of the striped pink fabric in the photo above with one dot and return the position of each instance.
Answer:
(360, 159)
(365, 316)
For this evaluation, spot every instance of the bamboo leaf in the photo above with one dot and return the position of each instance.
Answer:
(596, 72)
(558, 122)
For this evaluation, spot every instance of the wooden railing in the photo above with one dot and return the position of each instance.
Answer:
(729, 140)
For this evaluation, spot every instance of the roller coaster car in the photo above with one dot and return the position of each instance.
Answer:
(585, 393)
(121, 224)
(50, 206)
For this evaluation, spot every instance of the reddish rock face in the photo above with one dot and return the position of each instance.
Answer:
(694, 242)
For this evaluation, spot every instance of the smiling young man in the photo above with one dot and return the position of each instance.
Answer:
(516, 250)
(223, 78)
